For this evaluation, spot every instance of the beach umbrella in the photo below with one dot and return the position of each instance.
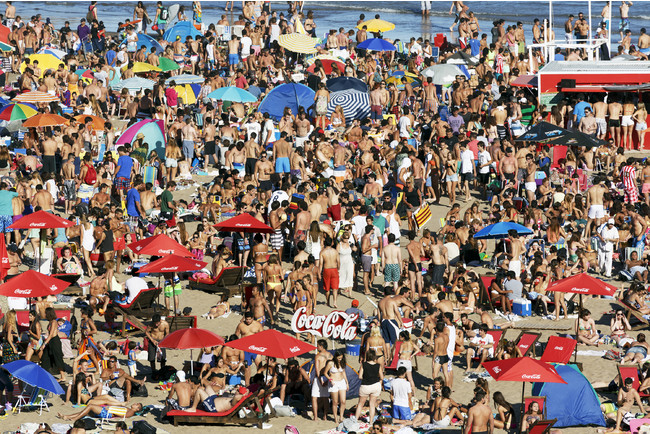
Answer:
(542, 131)
(272, 343)
(4, 33)
(292, 95)
(154, 134)
(188, 92)
(4, 259)
(233, 94)
(322, 57)
(4, 101)
(575, 138)
(141, 67)
(526, 80)
(6, 47)
(376, 44)
(86, 74)
(12, 112)
(167, 65)
(500, 230)
(41, 220)
(32, 374)
(35, 96)
(173, 264)
(134, 84)
(185, 79)
(329, 65)
(356, 104)
(159, 245)
(244, 223)
(346, 83)
(461, 58)
(298, 43)
(32, 284)
(147, 41)
(44, 120)
(377, 25)
(442, 74)
(97, 125)
(396, 79)
(45, 62)
(190, 339)
(59, 54)
(182, 29)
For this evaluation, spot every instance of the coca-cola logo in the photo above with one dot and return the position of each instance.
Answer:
(496, 369)
(169, 269)
(336, 325)
(558, 348)
(531, 377)
(294, 349)
(37, 225)
(243, 225)
(53, 288)
(585, 290)
(256, 348)
(23, 291)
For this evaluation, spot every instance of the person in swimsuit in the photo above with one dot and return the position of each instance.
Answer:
(406, 352)
(637, 352)
(618, 326)
(273, 277)
(587, 333)
(338, 384)
(376, 343)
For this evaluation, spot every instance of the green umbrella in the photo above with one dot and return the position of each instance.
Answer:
(166, 64)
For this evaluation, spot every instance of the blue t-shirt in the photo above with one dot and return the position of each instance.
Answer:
(132, 196)
(5, 202)
(126, 164)
(475, 46)
(579, 110)
(110, 57)
(559, 56)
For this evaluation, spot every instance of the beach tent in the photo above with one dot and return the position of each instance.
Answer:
(182, 29)
(353, 378)
(292, 95)
(574, 403)
(154, 134)
(148, 42)
(356, 105)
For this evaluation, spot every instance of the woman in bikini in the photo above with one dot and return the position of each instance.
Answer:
(407, 350)
(273, 276)
(503, 420)
(217, 375)
(587, 333)
(35, 335)
(618, 326)
(338, 384)
(378, 344)
(260, 253)
(84, 390)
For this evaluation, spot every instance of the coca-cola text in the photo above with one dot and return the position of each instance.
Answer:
(337, 324)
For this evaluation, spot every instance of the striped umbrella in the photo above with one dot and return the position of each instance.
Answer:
(185, 79)
(14, 112)
(59, 54)
(44, 120)
(356, 104)
(442, 74)
(232, 93)
(167, 65)
(188, 92)
(298, 43)
(396, 79)
(36, 96)
(134, 84)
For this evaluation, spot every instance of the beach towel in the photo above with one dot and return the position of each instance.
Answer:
(150, 174)
(422, 215)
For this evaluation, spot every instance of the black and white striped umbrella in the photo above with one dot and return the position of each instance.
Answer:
(356, 104)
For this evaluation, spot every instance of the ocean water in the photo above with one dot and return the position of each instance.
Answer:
(335, 14)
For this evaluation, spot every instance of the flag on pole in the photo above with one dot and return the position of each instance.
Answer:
(422, 215)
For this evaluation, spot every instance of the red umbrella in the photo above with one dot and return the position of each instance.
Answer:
(41, 220)
(328, 65)
(4, 259)
(159, 245)
(582, 284)
(188, 339)
(272, 343)
(172, 264)
(32, 284)
(244, 223)
(523, 369)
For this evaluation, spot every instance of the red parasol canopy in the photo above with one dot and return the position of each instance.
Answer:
(272, 343)
(558, 350)
(523, 369)
(244, 223)
(172, 264)
(187, 339)
(328, 65)
(32, 284)
(4, 33)
(582, 284)
(41, 220)
(159, 245)
(4, 259)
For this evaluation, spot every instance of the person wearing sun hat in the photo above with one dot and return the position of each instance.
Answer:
(607, 236)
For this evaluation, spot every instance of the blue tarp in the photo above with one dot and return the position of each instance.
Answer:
(574, 403)
(148, 42)
(182, 29)
(292, 95)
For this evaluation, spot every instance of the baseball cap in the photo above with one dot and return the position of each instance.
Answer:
(610, 221)
(181, 376)
(355, 303)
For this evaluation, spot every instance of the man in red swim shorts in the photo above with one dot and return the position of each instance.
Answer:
(329, 268)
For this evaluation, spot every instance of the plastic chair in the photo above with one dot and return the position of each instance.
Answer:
(115, 413)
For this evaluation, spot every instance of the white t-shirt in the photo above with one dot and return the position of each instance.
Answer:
(484, 158)
(360, 224)
(246, 43)
(451, 345)
(253, 127)
(453, 251)
(275, 32)
(607, 234)
(416, 48)
(401, 389)
(135, 285)
(404, 124)
(487, 340)
(467, 161)
(209, 49)
(278, 195)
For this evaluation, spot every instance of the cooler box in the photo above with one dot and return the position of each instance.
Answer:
(408, 324)
(521, 307)
(352, 348)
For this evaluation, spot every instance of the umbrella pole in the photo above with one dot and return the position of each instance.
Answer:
(191, 363)
(575, 351)
(523, 403)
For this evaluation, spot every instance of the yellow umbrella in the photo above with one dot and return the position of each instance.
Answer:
(188, 92)
(45, 62)
(376, 25)
(300, 28)
(298, 43)
(140, 67)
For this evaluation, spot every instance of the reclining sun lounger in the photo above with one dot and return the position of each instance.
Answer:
(229, 281)
(250, 402)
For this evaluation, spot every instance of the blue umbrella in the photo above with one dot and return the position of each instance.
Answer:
(376, 44)
(346, 83)
(356, 105)
(148, 42)
(185, 79)
(500, 230)
(33, 375)
(232, 93)
(182, 29)
(292, 95)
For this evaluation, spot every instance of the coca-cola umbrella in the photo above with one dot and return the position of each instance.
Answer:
(32, 284)
(159, 245)
(4, 259)
(272, 343)
(523, 369)
(244, 223)
(582, 284)
(189, 339)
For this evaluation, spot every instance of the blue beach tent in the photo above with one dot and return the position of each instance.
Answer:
(182, 29)
(574, 403)
(292, 95)
(148, 42)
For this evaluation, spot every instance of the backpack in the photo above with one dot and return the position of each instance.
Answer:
(164, 14)
(91, 175)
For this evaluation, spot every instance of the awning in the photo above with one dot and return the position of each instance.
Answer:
(529, 80)
(627, 87)
(583, 89)
(608, 88)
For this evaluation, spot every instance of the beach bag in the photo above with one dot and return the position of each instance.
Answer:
(143, 427)
(140, 391)
(91, 175)
(612, 355)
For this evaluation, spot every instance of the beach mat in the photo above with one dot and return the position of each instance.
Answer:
(540, 324)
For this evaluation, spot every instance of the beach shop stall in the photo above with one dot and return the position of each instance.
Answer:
(560, 79)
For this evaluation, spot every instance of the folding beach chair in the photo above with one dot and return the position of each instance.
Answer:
(114, 414)
(540, 400)
(558, 350)
(32, 397)
(631, 371)
(541, 426)
(526, 341)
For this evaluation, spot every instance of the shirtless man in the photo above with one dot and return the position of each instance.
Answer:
(440, 358)
(614, 109)
(627, 396)
(644, 42)
(233, 358)
(588, 124)
(252, 154)
(69, 184)
(391, 318)
(233, 53)
(596, 210)
(263, 171)
(249, 326)
(378, 100)
(213, 403)
(600, 113)
(237, 159)
(303, 221)
(183, 391)
(479, 417)
(416, 251)
(303, 128)
(430, 97)
(319, 392)
(508, 167)
(439, 261)
(391, 262)
(281, 154)
(189, 136)
(49, 151)
(500, 115)
(627, 124)
(625, 21)
(329, 269)
(259, 307)
(209, 145)
(148, 199)
(119, 378)
(517, 249)
(42, 198)
(156, 332)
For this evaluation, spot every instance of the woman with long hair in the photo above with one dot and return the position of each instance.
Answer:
(314, 241)
(10, 337)
(172, 155)
(321, 99)
(273, 276)
(35, 335)
(505, 412)
(51, 353)
(87, 243)
(372, 375)
(338, 384)
(376, 343)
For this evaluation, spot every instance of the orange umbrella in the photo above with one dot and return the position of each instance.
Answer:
(36, 96)
(44, 120)
(98, 123)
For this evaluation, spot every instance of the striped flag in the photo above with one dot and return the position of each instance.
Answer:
(422, 215)
(295, 198)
